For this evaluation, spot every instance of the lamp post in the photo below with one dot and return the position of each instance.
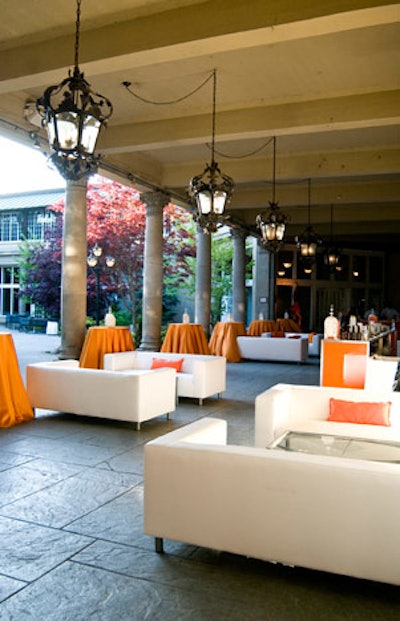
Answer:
(93, 262)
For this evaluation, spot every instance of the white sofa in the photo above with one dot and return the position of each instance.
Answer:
(314, 344)
(279, 349)
(201, 376)
(324, 513)
(287, 407)
(133, 396)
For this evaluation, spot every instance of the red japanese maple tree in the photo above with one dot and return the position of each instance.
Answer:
(116, 219)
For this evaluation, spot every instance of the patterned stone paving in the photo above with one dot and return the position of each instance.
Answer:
(72, 544)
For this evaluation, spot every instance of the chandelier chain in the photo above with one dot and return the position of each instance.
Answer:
(273, 169)
(171, 101)
(77, 29)
(213, 115)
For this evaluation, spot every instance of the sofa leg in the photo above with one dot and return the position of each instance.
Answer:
(168, 415)
(137, 426)
(200, 401)
(159, 545)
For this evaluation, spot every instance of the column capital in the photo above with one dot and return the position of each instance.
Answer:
(155, 201)
(238, 233)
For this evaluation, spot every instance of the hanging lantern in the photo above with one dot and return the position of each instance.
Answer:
(332, 254)
(272, 223)
(211, 190)
(308, 241)
(73, 115)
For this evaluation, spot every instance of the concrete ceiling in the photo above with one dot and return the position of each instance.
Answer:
(323, 77)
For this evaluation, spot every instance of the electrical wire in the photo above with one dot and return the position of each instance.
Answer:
(170, 102)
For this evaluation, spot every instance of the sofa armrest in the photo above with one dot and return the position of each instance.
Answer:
(209, 375)
(207, 430)
(119, 361)
(272, 414)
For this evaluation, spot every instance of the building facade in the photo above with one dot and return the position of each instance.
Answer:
(23, 216)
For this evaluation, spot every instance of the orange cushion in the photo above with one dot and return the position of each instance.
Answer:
(294, 336)
(159, 363)
(361, 412)
(277, 334)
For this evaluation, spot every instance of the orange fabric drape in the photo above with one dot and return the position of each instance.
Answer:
(14, 403)
(258, 326)
(287, 325)
(102, 340)
(223, 339)
(185, 338)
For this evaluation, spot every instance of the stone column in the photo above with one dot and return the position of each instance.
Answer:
(202, 310)
(74, 271)
(239, 276)
(153, 270)
(263, 282)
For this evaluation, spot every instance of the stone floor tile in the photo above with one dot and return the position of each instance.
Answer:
(28, 551)
(10, 460)
(284, 592)
(65, 596)
(128, 461)
(25, 480)
(9, 586)
(72, 498)
(71, 451)
(120, 520)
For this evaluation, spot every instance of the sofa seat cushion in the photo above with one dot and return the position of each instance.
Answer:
(185, 384)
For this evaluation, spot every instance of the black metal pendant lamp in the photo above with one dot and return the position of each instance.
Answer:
(272, 223)
(73, 116)
(211, 191)
(308, 241)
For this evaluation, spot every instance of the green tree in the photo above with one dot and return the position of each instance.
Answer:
(116, 220)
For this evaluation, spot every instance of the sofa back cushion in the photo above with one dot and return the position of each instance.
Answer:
(159, 363)
(360, 412)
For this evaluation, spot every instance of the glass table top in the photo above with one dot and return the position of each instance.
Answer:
(339, 446)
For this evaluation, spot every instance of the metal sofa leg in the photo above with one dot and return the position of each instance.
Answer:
(159, 545)
(168, 415)
(200, 401)
(138, 426)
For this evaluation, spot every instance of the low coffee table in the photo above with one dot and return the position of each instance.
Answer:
(338, 446)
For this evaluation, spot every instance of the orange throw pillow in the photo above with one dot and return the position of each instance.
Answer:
(361, 412)
(277, 334)
(159, 363)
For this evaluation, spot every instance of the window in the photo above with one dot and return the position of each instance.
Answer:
(10, 227)
(38, 222)
(9, 279)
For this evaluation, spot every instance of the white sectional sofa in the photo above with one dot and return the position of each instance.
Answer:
(200, 377)
(133, 396)
(320, 512)
(279, 349)
(287, 407)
